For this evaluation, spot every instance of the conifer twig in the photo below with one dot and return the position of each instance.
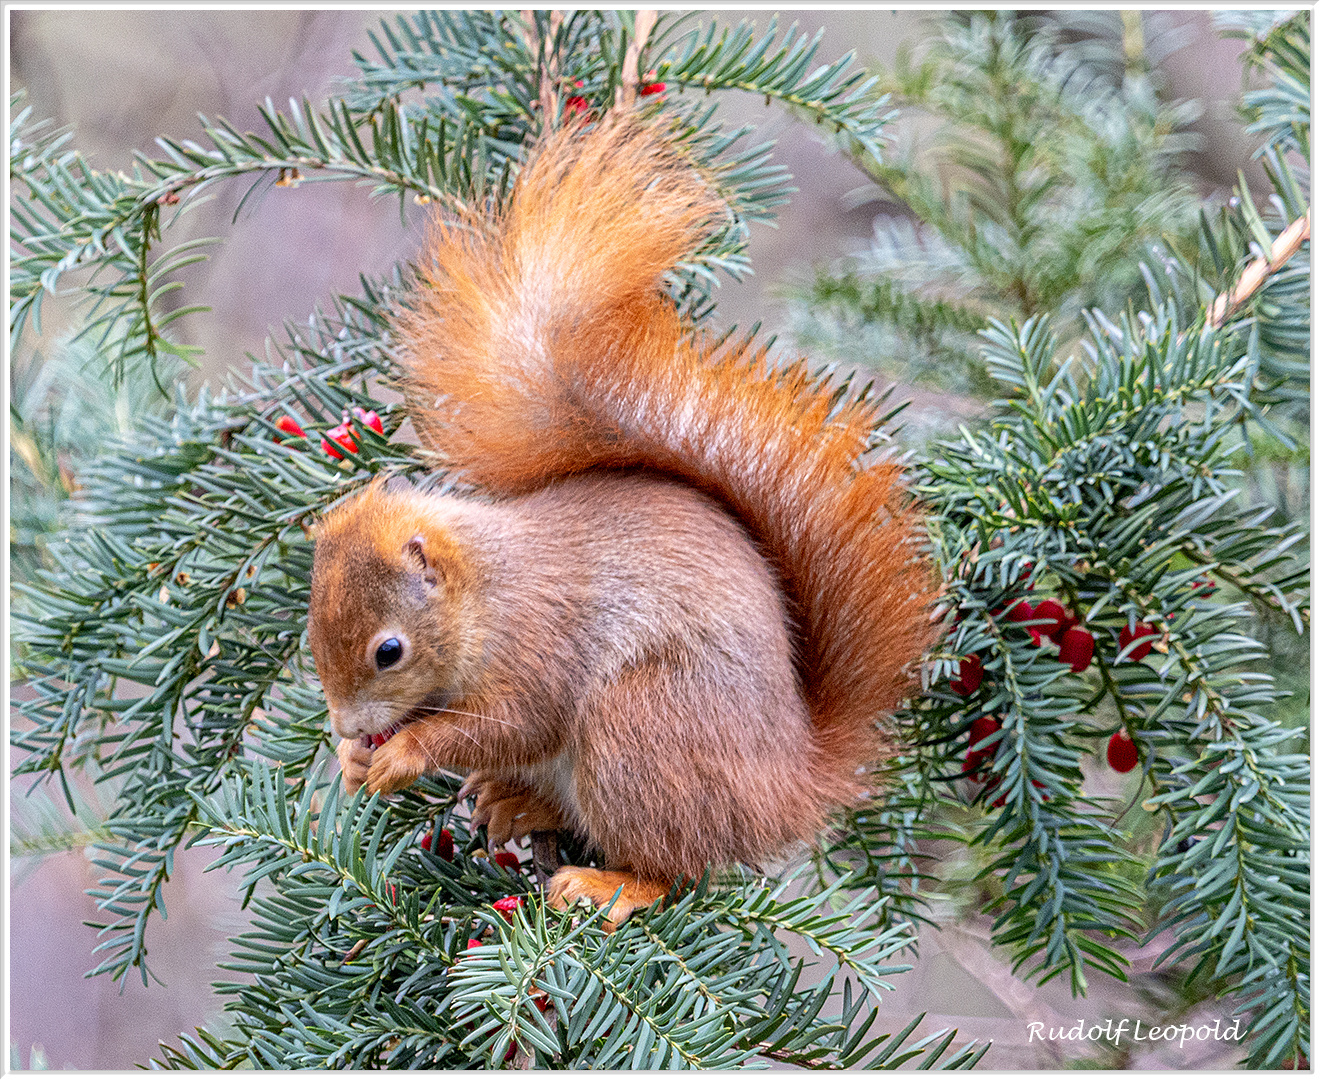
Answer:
(630, 77)
(1284, 248)
(548, 96)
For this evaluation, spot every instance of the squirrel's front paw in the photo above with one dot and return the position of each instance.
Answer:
(572, 883)
(354, 760)
(396, 763)
(508, 808)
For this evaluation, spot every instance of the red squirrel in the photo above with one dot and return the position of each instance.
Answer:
(677, 595)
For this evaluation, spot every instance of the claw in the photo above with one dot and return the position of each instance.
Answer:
(507, 807)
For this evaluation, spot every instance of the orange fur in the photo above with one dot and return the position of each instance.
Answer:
(694, 596)
(541, 345)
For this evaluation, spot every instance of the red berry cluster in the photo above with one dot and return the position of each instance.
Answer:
(342, 434)
(1051, 621)
(340, 437)
(445, 849)
(978, 757)
(1076, 645)
(576, 105)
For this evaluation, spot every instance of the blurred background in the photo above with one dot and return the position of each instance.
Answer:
(121, 78)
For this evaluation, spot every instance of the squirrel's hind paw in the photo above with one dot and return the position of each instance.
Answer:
(572, 883)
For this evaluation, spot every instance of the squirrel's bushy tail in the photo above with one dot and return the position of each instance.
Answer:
(541, 343)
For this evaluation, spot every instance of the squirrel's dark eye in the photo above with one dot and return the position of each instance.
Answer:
(389, 653)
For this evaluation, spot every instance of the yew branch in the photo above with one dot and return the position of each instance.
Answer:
(1284, 248)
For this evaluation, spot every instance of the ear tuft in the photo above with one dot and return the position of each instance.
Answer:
(414, 554)
(415, 551)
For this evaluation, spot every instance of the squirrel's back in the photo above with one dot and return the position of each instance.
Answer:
(542, 343)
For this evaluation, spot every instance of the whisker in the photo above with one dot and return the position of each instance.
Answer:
(468, 735)
(478, 716)
(438, 709)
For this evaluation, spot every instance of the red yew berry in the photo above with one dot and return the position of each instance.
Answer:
(370, 418)
(445, 849)
(1203, 587)
(651, 88)
(473, 942)
(508, 860)
(290, 426)
(575, 104)
(982, 728)
(1021, 612)
(968, 679)
(508, 905)
(1076, 648)
(1057, 616)
(1122, 752)
(1143, 634)
(343, 435)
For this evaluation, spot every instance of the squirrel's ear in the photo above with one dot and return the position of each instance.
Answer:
(414, 555)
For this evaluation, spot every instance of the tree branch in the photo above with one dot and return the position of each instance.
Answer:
(1284, 248)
